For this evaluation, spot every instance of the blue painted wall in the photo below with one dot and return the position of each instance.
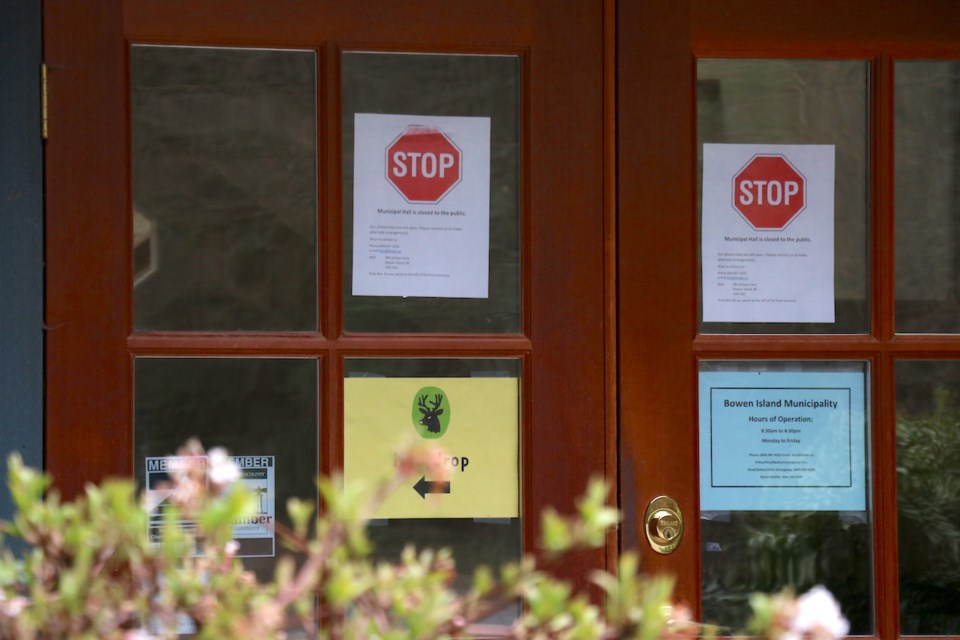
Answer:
(21, 238)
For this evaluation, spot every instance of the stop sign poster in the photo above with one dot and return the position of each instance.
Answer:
(421, 194)
(767, 233)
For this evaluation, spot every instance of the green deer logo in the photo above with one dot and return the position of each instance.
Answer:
(431, 412)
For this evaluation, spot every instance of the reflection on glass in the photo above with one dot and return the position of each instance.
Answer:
(441, 85)
(259, 408)
(224, 189)
(928, 496)
(800, 102)
(927, 191)
(784, 479)
(469, 408)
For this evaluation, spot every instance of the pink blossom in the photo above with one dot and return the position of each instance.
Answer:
(818, 616)
(221, 471)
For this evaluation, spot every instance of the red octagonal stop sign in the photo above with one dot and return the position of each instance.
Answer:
(423, 164)
(769, 192)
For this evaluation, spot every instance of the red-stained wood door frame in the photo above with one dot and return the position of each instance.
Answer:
(574, 55)
(659, 346)
(568, 414)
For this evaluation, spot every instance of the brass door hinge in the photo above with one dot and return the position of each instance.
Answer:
(43, 100)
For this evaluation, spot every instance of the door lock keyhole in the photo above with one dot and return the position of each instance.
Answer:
(663, 524)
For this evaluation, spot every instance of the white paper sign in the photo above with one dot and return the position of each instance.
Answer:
(767, 233)
(421, 193)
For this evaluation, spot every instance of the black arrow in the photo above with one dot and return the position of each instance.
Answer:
(424, 486)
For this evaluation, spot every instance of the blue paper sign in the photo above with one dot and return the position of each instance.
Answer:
(782, 441)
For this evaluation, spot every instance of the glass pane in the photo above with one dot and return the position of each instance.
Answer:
(434, 255)
(927, 191)
(928, 496)
(224, 189)
(263, 410)
(791, 102)
(470, 410)
(784, 485)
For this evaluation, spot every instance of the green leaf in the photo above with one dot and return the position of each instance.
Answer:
(557, 536)
(300, 512)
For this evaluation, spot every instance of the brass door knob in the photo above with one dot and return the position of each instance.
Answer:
(663, 524)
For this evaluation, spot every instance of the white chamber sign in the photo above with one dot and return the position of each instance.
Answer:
(421, 193)
(767, 237)
(255, 534)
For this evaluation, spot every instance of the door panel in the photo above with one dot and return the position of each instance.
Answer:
(821, 107)
(116, 334)
(665, 114)
(224, 188)
(927, 520)
(785, 484)
(473, 86)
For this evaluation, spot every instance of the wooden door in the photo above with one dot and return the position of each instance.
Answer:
(101, 344)
(872, 83)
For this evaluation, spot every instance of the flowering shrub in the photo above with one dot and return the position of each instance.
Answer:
(91, 571)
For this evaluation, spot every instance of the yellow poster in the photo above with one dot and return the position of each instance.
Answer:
(475, 422)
